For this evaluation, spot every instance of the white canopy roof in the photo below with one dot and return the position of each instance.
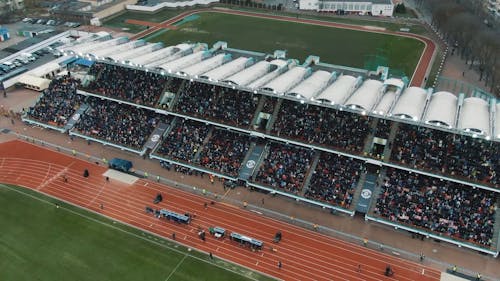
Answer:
(183, 62)
(132, 53)
(226, 70)
(160, 55)
(366, 96)
(312, 85)
(394, 82)
(474, 116)
(88, 48)
(411, 103)
(385, 103)
(249, 74)
(204, 65)
(116, 49)
(34, 82)
(442, 109)
(497, 121)
(339, 90)
(287, 80)
(269, 76)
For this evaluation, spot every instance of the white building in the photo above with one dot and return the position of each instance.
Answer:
(374, 7)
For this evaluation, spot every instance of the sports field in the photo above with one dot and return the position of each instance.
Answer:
(333, 45)
(39, 241)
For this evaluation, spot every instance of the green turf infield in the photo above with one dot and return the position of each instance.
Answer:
(41, 242)
(336, 46)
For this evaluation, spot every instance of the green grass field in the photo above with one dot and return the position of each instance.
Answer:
(336, 46)
(41, 242)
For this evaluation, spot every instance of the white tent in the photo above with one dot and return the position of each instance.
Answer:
(339, 90)
(205, 65)
(442, 109)
(411, 103)
(287, 80)
(33, 82)
(475, 116)
(312, 85)
(385, 103)
(249, 74)
(226, 70)
(366, 96)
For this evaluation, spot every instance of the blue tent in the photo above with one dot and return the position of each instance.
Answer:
(120, 164)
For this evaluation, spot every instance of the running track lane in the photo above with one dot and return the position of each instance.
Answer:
(418, 78)
(306, 255)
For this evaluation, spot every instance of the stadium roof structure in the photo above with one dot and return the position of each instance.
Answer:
(280, 64)
(311, 85)
(497, 121)
(249, 74)
(442, 109)
(206, 65)
(339, 90)
(159, 56)
(385, 103)
(105, 52)
(185, 61)
(410, 104)
(92, 46)
(474, 116)
(132, 53)
(365, 97)
(227, 69)
(282, 83)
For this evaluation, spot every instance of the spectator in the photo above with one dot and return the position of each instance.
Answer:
(323, 126)
(58, 103)
(440, 206)
(334, 180)
(285, 167)
(446, 153)
(184, 140)
(218, 103)
(117, 123)
(224, 152)
(128, 84)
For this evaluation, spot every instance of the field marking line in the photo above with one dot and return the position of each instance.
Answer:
(176, 267)
(110, 225)
(227, 192)
(58, 175)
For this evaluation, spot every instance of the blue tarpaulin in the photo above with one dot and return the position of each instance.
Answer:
(84, 62)
(120, 164)
(67, 61)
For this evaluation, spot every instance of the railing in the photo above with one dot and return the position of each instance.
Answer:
(434, 236)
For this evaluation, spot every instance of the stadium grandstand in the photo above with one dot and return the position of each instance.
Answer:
(314, 132)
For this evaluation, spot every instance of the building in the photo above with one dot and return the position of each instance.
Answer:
(363, 7)
(85, 10)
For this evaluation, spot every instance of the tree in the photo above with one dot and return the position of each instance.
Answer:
(400, 8)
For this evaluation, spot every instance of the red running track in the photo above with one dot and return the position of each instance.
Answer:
(306, 255)
(418, 78)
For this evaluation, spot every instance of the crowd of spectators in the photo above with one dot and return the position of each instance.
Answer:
(445, 207)
(269, 104)
(128, 84)
(335, 179)
(117, 123)
(184, 140)
(225, 152)
(57, 103)
(221, 104)
(383, 129)
(285, 167)
(446, 153)
(324, 126)
(174, 84)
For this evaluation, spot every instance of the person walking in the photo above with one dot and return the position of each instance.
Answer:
(102, 206)
(173, 236)
(210, 255)
(359, 268)
(280, 264)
